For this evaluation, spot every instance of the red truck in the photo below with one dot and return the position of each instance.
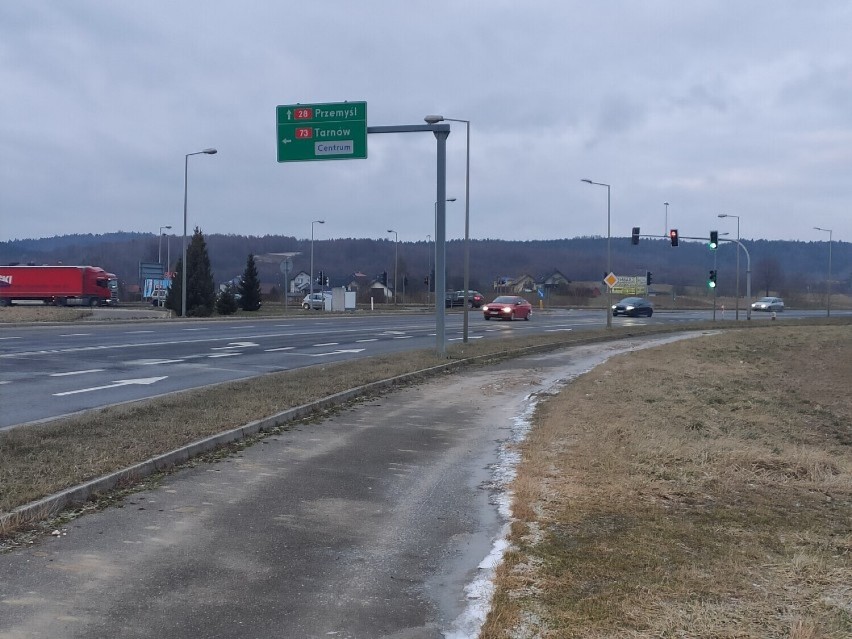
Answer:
(59, 285)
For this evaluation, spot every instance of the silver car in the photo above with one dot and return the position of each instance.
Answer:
(315, 301)
(768, 304)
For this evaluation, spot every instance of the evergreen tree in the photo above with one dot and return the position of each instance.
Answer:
(250, 286)
(226, 304)
(200, 290)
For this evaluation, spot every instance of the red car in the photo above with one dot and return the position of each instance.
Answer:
(508, 307)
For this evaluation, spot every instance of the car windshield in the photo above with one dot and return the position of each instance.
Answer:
(631, 300)
(505, 300)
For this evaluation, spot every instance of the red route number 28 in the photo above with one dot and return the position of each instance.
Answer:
(303, 113)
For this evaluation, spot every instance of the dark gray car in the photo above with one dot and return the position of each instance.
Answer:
(633, 307)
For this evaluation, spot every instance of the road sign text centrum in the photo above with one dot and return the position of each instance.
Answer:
(334, 131)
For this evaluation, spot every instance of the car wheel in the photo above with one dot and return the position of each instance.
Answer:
(650, 312)
(527, 317)
(305, 306)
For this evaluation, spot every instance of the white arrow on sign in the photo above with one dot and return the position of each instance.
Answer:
(116, 384)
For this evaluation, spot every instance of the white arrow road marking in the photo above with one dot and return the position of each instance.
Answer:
(121, 382)
(234, 345)
(91, 370)
(343, 350)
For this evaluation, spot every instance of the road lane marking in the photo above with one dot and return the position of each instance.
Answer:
(282, 348)
(361, 341)
(75, 335)
(326, 344)
(13, 337)
(214, 355)
(404, 337)
(122, 382)
(91, 370)
(136, 332)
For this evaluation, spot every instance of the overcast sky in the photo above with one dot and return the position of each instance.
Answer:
(716, 107)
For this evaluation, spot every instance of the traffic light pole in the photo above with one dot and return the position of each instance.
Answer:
(748, 267)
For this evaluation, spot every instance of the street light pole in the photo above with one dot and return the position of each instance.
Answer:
(828, 282)
(432, 119)
(185, 188)
(737, 304)
(395, 262)
(449, 199)
(160, 245)
(608, 249)
(666, 230)
(312, 260)
(428, 268)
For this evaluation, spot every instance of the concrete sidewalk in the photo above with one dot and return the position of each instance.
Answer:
(369, 523)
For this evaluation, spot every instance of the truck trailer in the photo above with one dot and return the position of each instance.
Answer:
(58, 285)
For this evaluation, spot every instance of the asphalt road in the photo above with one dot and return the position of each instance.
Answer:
(51, 371)
(372, 523)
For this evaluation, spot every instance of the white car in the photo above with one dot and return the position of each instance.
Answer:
(768, 304)
(315, 301)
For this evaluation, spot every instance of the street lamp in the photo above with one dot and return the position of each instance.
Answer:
(183, 265)
(312, 257)
(395, 262)
(449, 199)
(160, 246)
(737, 304)
(828, 282)
(666, 230)
(608, 250)
(434, 119)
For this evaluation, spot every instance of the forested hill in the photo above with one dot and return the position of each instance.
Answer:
(778, 265)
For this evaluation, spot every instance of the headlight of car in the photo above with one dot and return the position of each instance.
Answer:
(629, 308)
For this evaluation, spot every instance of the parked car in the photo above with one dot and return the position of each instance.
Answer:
(508, 307)
(768, 304)
(633, 307)
(315, 301)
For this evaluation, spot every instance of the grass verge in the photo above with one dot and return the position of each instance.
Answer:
(703, 489)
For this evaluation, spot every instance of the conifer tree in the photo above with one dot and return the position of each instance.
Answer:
(250, 286)
(200, 290)
(226, 304)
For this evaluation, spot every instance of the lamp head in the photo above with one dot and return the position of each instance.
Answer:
(433, 119)
(451, 199)
(210, 151)
(587, 181)
(722, 215)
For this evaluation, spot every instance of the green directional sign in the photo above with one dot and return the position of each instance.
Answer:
(333, 131)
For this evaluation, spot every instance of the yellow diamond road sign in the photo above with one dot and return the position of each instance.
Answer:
(611, 280)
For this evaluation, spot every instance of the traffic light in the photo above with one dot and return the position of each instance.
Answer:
(673, 236)
(426, 280)
(714, 239)
(320, 278)
(385, 278)
(648, 278)
(711, 279)
(325, 281)
(635, 237)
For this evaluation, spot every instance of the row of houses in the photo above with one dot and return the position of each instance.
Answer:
(300, 284)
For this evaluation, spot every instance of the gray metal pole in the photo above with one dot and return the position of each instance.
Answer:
(440, 244)
(466, 238)
(183, 264)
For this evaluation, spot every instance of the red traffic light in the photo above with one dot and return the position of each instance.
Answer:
(673, 236)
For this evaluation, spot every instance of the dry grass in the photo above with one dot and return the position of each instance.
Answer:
(703, 489)
(41, 459)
